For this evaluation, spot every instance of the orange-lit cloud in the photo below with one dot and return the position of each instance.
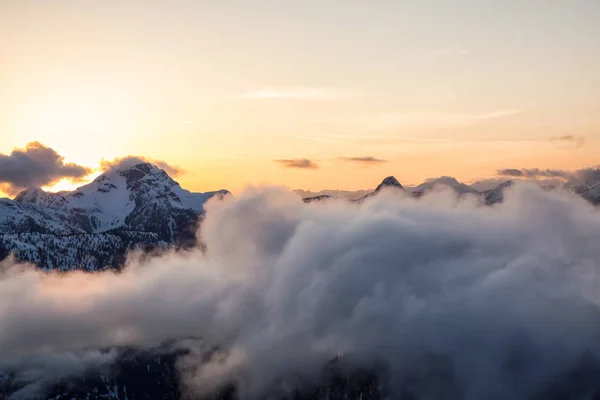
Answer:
(301, 163)
(36, 165)
(129, 161)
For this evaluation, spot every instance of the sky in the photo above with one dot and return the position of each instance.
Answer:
(308, 94)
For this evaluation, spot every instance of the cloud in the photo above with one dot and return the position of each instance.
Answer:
(299, 93)
(443, 298)
(572, 141)
(510, 172)
(130, 161)
(368, 160)
(36, 165)
(537, 173)
(498, 114)
(302, 163)
(433, 119)
(43, 369)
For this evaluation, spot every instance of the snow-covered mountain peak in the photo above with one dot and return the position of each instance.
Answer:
(131, 178)
(35, 195)
(140, 197)
(147, 173)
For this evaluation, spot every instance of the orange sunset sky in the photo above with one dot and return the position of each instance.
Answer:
(223, 89)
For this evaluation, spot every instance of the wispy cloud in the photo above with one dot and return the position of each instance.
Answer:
(367, 160)
(369, 138)
(499, 114)
(570, 140)
(301, 163)
(299, 93)
(418, 119)
(536, 173)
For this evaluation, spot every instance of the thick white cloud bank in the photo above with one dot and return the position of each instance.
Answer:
(448, 297)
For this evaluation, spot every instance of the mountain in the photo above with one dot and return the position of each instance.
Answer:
(138, 206)
(588, 186)
(429, 185)
(355, 197)
(418, 191)
(491, 183)
(340, 194)
(317, 198)
(496, 195)
(141, 198)
(592, 194)
(155, 374)
(389, 182)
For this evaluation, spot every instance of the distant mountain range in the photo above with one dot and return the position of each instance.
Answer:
(142, 207)
(490, 194)
(95, 225)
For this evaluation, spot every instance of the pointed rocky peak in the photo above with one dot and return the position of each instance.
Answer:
(391, 182)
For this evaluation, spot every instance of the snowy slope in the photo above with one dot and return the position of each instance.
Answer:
(141, 204)
(588, 187)
(26, 217)
(112, 199)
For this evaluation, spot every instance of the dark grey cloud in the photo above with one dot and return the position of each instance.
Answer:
(130, 161)
(510, 172)
(302, 163)
(536, 173)
(368, 160)
(573, 141)
(449, 299)
(36, 165)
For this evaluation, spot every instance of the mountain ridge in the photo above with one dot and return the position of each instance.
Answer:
(141, 203)
(588, 188)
